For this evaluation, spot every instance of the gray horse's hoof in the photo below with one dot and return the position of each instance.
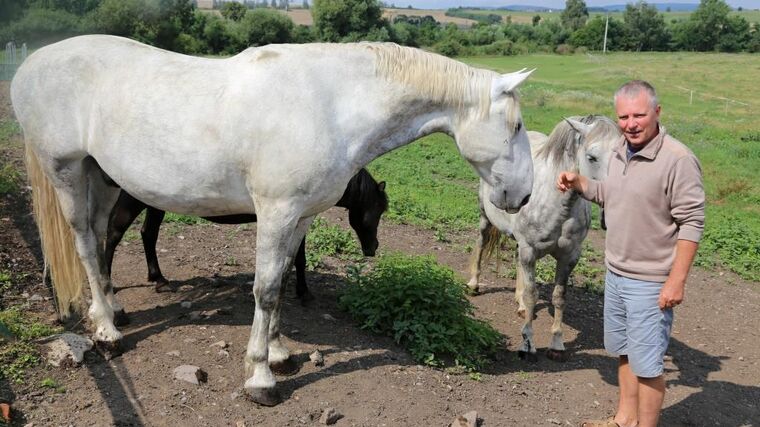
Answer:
(556, 355)
(120, 318)
(527, 356)
(286, 367)
(264, 396)
(108, 349)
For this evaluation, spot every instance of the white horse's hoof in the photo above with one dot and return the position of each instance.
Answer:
(264, 396)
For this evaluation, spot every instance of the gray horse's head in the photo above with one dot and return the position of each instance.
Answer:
(596, 138)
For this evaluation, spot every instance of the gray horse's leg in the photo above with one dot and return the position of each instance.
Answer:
(527, 269)
(274, 238)
(556, 349)
(477, 253)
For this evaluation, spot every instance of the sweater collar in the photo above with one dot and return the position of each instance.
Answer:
(649, 151)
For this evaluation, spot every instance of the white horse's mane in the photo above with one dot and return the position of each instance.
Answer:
(560, 147)
(439, 78)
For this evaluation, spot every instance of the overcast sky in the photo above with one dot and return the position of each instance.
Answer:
(445, 4)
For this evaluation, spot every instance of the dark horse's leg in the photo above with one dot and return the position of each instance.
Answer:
(149, 232)
(123, 214)
(302, 291)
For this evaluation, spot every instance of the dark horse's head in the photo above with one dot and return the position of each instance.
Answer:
(366, 201)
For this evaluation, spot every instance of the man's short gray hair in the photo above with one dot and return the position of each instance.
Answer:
(634, 87)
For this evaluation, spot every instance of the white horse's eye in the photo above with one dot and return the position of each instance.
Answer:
(591, 158)
(518, 127)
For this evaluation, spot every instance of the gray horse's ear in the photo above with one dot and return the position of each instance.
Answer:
(580, 127)
(507, 83)
(381, 186)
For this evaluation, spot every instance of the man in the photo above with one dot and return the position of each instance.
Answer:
(654, 209)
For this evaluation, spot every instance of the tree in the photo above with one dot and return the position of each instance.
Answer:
(336, 19)
(536, 19)
(575, 14)
(264, 26)
(233, 10)
(710, 27)
(592, 34)
(644, 28)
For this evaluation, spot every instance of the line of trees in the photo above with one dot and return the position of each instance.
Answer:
(178, 25)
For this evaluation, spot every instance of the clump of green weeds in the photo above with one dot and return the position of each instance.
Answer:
(16, 350)
(424, 307)
(325, 240)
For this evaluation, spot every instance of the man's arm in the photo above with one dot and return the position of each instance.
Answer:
(672, 292)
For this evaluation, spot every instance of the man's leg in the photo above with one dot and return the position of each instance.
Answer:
(651, 395)
(628, 406)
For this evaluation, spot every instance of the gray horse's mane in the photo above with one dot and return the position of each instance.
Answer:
(439, 78)
(561, 148)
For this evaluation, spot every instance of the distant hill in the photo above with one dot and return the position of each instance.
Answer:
(662, 7)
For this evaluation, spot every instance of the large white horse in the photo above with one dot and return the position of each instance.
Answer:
(552, 223)
(277, 131)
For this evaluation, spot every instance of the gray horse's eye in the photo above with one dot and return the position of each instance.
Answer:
(591, 158)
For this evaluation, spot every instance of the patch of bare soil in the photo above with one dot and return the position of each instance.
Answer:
(713, 378)
(303, 16)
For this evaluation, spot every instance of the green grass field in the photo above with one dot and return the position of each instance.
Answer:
(429, 184)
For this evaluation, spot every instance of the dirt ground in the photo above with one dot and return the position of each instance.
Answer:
(713, 378)
(303, 16)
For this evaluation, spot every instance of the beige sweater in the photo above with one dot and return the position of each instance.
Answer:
(649, 203)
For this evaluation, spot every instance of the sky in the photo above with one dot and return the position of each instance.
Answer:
(445, 4)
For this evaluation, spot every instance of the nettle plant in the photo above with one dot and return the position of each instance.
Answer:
(424, 307)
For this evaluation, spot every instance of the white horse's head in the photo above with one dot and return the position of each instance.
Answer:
(599, 139)
(498, 147)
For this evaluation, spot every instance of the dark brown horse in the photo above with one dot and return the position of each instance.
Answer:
(364, 198)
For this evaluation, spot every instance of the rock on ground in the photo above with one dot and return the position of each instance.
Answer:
(191, 374)
(67, 349)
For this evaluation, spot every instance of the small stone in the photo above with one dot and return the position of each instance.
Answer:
(181, 237)
(554, 421)
(317, 358)
(68, 349)
(185, 304)
(36, 297)
(234, 395)
(224, 353)
(191, 374)
(330, 416)
(174, 353)
(194, 315)
(470, 419)
(239, 423)
(328, 317)
(741, 358)
(221, 344)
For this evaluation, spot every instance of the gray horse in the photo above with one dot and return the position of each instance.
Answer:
(552, 223)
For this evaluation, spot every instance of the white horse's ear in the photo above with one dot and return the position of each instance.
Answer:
(580, 127)
(508, 82)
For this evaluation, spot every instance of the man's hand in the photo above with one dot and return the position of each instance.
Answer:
(671, 294)
(571, 181)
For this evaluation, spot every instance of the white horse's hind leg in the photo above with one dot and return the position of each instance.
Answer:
(273, 240)
(279, 356)
(527, 264)
(477, 253)
(72, 182)
(556, 349)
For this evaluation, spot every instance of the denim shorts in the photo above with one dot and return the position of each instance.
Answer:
(634, 325)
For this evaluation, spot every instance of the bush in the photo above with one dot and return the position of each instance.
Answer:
(564, 49)
(424, 307)
(329, 240)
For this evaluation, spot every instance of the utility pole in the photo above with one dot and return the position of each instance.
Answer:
(606, 25)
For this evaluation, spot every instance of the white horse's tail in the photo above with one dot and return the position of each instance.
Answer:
(492, 244)
(56, 238)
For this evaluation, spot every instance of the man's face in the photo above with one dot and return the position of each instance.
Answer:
(637, 118)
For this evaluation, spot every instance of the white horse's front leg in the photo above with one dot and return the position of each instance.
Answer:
(556, 349)
(527, 270)
(273, 241)
(477, 253)
(279, 356)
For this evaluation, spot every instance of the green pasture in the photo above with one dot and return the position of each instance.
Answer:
(710, 102)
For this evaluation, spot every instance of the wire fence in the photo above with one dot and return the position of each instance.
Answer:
(11, 60)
